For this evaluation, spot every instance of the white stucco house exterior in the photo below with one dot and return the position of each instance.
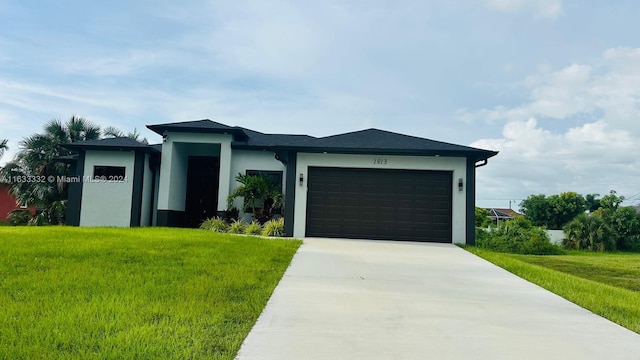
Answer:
(370, 184)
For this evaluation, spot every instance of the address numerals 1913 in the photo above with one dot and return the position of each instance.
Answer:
(380, 161)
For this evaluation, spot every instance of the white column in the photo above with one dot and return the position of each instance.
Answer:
(225, 175)
(164, 183)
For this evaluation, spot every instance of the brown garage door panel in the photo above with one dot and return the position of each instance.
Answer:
(379, 204)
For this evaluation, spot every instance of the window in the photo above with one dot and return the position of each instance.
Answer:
(109, 173)
(274, 177)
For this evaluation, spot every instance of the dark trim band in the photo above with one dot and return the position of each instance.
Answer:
(170, 218)
(136, 196)
(471, 202)
(290, 160)
(74, 200)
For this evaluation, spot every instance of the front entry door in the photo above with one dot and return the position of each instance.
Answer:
(202, 189)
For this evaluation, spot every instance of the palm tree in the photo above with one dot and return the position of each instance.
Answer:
(112, 132)
(259, 193)
(35, 162)
(3, 146)
(588, 232)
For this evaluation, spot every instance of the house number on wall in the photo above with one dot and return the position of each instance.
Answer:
(379, 161)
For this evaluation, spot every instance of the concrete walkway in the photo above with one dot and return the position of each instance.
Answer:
(359, 299)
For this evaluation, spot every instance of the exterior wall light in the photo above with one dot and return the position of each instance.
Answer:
(164, 137)
(460, 184)
(301, 179)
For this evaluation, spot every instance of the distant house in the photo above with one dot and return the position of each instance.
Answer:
(498, 215)
(8, 203)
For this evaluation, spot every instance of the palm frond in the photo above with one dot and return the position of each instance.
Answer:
(56, 131)
(3, 146)
(92, 133)
(112, 132)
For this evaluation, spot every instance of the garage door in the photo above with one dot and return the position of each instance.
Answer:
(379, 204)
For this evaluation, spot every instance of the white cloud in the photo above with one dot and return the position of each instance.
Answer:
(608, 87)
(568, 151)
(563, 93)
(32, 96)
(541, 8)
(108, 65)
(599, 134)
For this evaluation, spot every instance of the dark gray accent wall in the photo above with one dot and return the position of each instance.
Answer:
(152, 201)
(138, 181)
(470, 188)
(170, 218)
(290, 193)
(74, 199)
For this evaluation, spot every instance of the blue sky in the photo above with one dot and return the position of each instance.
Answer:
(554, 85)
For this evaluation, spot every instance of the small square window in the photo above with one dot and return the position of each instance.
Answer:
(109, 173)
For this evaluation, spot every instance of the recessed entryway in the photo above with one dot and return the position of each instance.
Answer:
(202, 189)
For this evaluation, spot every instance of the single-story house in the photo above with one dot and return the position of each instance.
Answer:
(371, 184)
(501, 214)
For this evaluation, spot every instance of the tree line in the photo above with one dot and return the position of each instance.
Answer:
(589, 223)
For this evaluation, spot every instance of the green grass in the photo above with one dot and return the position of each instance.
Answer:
(595, 282)
(96, 293)
(618, 269)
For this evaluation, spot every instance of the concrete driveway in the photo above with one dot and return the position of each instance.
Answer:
(360, 299)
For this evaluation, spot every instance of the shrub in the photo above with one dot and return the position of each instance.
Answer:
(237, 227)
(274, 228)
(253, 229)
(39, 220)
(482, 234)
(54, 214)
(19, 217)
(231, 215)
(258, 193)
(625, 224)
(482, 218)
(589, 232)
(517, 236)
(214, 224)
(262, 216)
(554, 211)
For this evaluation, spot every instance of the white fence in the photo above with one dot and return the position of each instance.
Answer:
(556, 236)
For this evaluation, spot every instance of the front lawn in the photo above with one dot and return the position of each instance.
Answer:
(144, 293)
(605, 284)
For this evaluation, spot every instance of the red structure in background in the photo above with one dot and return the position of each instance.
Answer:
(8, 203)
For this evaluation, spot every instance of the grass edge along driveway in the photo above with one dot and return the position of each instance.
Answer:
(619, 305)
(144, 293)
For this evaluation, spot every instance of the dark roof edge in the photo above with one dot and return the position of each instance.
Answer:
(477, 154)
(405, 135)
(236, 132)
(79, 146)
